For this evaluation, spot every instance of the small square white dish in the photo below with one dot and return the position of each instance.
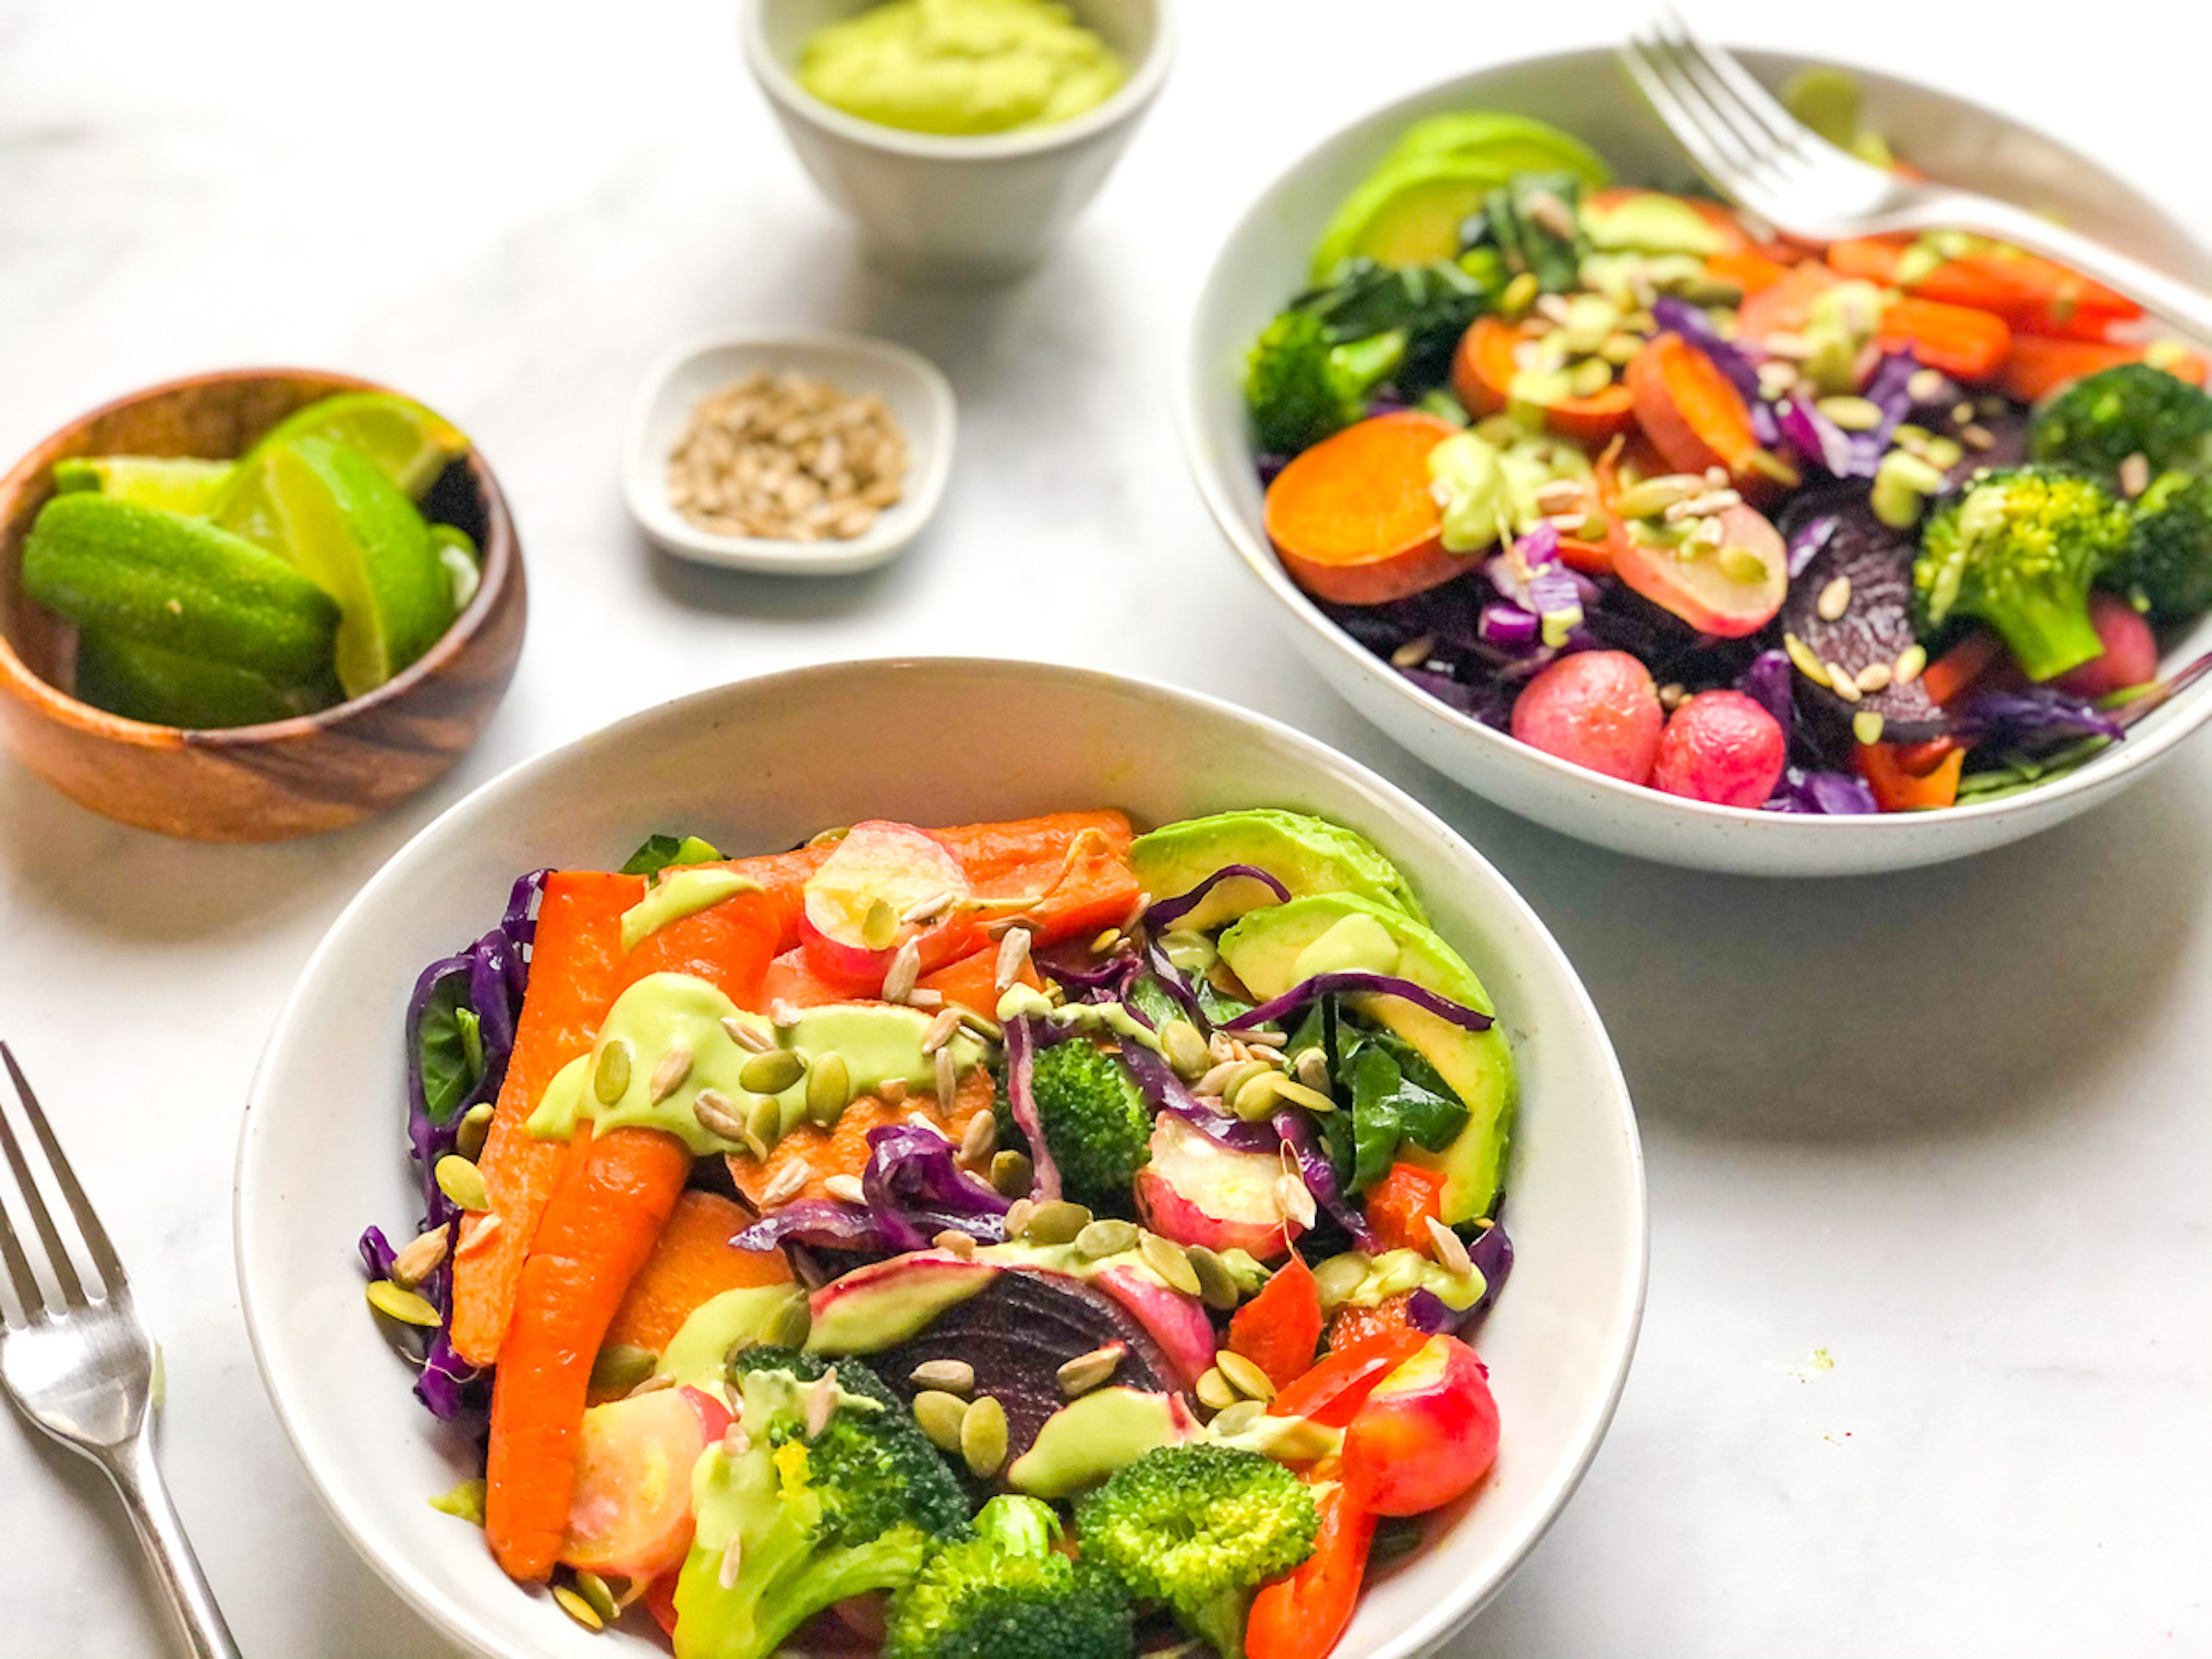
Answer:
(920, 400)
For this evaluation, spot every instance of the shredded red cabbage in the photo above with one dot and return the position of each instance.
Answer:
(1021, 1055)
(1492, 1254)
(1105, 981)
(917, 1189)
(827, 1222)
(1357, 984)
(1531, 575)
(1510, 628)
(2031, 715)
(1677, 315)
(1164, 914)
(1808, 538)
(1769, 683)
(1314, 1170)
(1178, 988)
(1835, 794)
(1823, 443)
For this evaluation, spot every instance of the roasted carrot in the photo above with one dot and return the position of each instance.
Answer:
(2033, 294)
(728, 945)
(1785, 306)
(1353, 519)
(1693, 414)
(973, 982)
(1353, 1326)
(692, 1262)
(1911, 777)
(1753, 273)
(842, 1149)
(1399, 1207)
(2037, 367)
(1966, 344)
(1960, 667)
(575, 964)
(1482, 375)
(616, 1195)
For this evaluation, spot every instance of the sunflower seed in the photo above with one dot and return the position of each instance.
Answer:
(736, 1441)
(893, 1091)
(668, 1075)
(1185, 1050)
(1928, 387)
(1413, 652)
(463, 1183)
(786, 1183)
(772, 1073)
(470, 1135)
(1166, 1257)
(880, 926)
(984, 1436)
(1294, 1199)
(1910, 662)
(846, 1188)
(1012, 1175)
(821, 1403)
(475, 1230)
(782, 1014)
(395, 1302)
(1977, 437)
(1087, 1371)
(953, 1241)
(1448, 1249)
(1057, 1221)
(1018, 1215)
(1842, 682)
(979, 1139)
(940, 1416)
(1246, 1377)
(1835, 599)
(1311, 1068)
(1103, 1239)
(652, 1386)
(2135, 475)
(947, 1078)
(905, 970)
(954, 1376)
(747, 1036)
(1216, 1286)
(1236, 1418)
(1874, 677)
(1013, 956)
(733, 1558)
(929, 907)
(763, 1125)
(418, 1258)
(1210, 1082)
(578, 1608)
(621, 1366)
(1260, 1037)
(1215, 1390)
(717, 1114)
(921, 1120)
(940, 1030)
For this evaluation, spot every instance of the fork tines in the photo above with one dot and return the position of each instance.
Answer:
(63, 1264)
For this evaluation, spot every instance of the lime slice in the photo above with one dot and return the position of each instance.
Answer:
(409, 445)
(164, 687)
(178, 484)
(464, 565)
(343, 522)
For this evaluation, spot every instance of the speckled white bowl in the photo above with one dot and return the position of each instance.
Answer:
(1264, 260)
(762, 765)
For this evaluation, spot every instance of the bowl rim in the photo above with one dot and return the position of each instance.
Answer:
(1127, 101)
(877, 544)
(502, 565)
(2190, 708)
(457, 1621)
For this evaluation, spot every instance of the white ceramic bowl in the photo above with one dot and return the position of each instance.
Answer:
(919, 398)
(762, 765)
(954, 210)
(1265, 260)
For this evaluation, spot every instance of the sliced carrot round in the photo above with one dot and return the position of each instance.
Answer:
(1482, 376)
(1353, 519)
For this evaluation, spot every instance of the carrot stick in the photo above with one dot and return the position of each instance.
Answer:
(1966, 344)
(574, 963)
(1958, 668)
(596, 1232)
(2037, 367)
(1910, 782)
(972, 981)
(692, 1262)
(2033, 294)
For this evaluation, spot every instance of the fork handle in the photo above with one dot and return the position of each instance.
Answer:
(161, 1531)
(2180, 304)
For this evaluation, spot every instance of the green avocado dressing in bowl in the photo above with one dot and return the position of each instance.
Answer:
(961, 66)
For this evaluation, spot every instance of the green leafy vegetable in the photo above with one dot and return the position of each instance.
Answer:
(449, 1047)
(660, 852)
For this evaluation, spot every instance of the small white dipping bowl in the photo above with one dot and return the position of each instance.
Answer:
(919, 398)
(943, 209)
(1266, 260)
(762, 765)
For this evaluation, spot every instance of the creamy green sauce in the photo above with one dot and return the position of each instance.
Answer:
(678, 894)
(698, 1352)
(880, 1043)
(961, 67)
(1357, 944)
(1086, 1441)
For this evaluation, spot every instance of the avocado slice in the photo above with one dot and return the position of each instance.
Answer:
(1306, 854)
(1409, 209)
(1275, 949)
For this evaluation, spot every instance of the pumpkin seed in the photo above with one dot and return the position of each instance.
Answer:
(984, 1436)
(620, 1367)
(1185, 1050)
(1103, 1239)
(395, 1303)
(941, 1416)
(829, 1088)
(1866, 725)
(594, 1591)
(746, 1036)
(1166, 1257)
(950, 1376)
(764, 1124)
(463, 1501)
(1301, 1094)
(789, 1325)
(1248, 1378)
(1012, 1174)
(1257, 1095)
(469, 1134)
(1654, 496)
(669, 1074)
(979, 1139)
(1238, 1418)
(1087, 1371)
(1802, 656)
(1057, 1221)
(419, 1258)
(577, 1608)
(772, 1073)
(880, 926)
(610, 1072)
(1853, 414)
(1216, 1391)
(1216, 1286)
(717, 1114)
(463, 1183)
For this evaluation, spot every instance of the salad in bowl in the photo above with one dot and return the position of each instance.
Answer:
(1890, 525)
(1028, 1236)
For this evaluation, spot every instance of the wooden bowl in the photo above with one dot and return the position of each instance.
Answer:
(288, 777)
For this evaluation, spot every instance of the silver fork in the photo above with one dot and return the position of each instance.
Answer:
(1761, 157)
(79, 1364)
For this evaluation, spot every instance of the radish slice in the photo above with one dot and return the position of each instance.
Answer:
(854, 920)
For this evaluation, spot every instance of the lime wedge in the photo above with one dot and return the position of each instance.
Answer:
(165, 688)
(177, 484)
(343, 522)
(409, 445)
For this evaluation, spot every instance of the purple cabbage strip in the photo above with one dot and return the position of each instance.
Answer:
(1163, 915)
(1834, 794)
(825, 1222)
(1510, 628)
(1167, 1092)
(917, 1189)
(2036, 712)
(1492, 1254)
(1531, 575)
(1357, 984)
(1021, 1053)
(1818, 439)
(1851, 454)
(1426, 1312)
(1108, 981)
(1320, 1180)
(1808, 538)
(1770, 682)
(1172, 981)
(1676, 315)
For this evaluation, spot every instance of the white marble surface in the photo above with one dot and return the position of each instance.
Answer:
(1949, 1129)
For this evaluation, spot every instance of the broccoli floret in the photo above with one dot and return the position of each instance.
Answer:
(1301, 388)
(1095, 1119)
(2166, 570)
(796, 1521)
(2019, 549)
(2131, 409)
(1006, 1594)
(1198, 1529)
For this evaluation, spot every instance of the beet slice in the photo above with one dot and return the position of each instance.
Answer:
(1017, 1334)
(1876, 624)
